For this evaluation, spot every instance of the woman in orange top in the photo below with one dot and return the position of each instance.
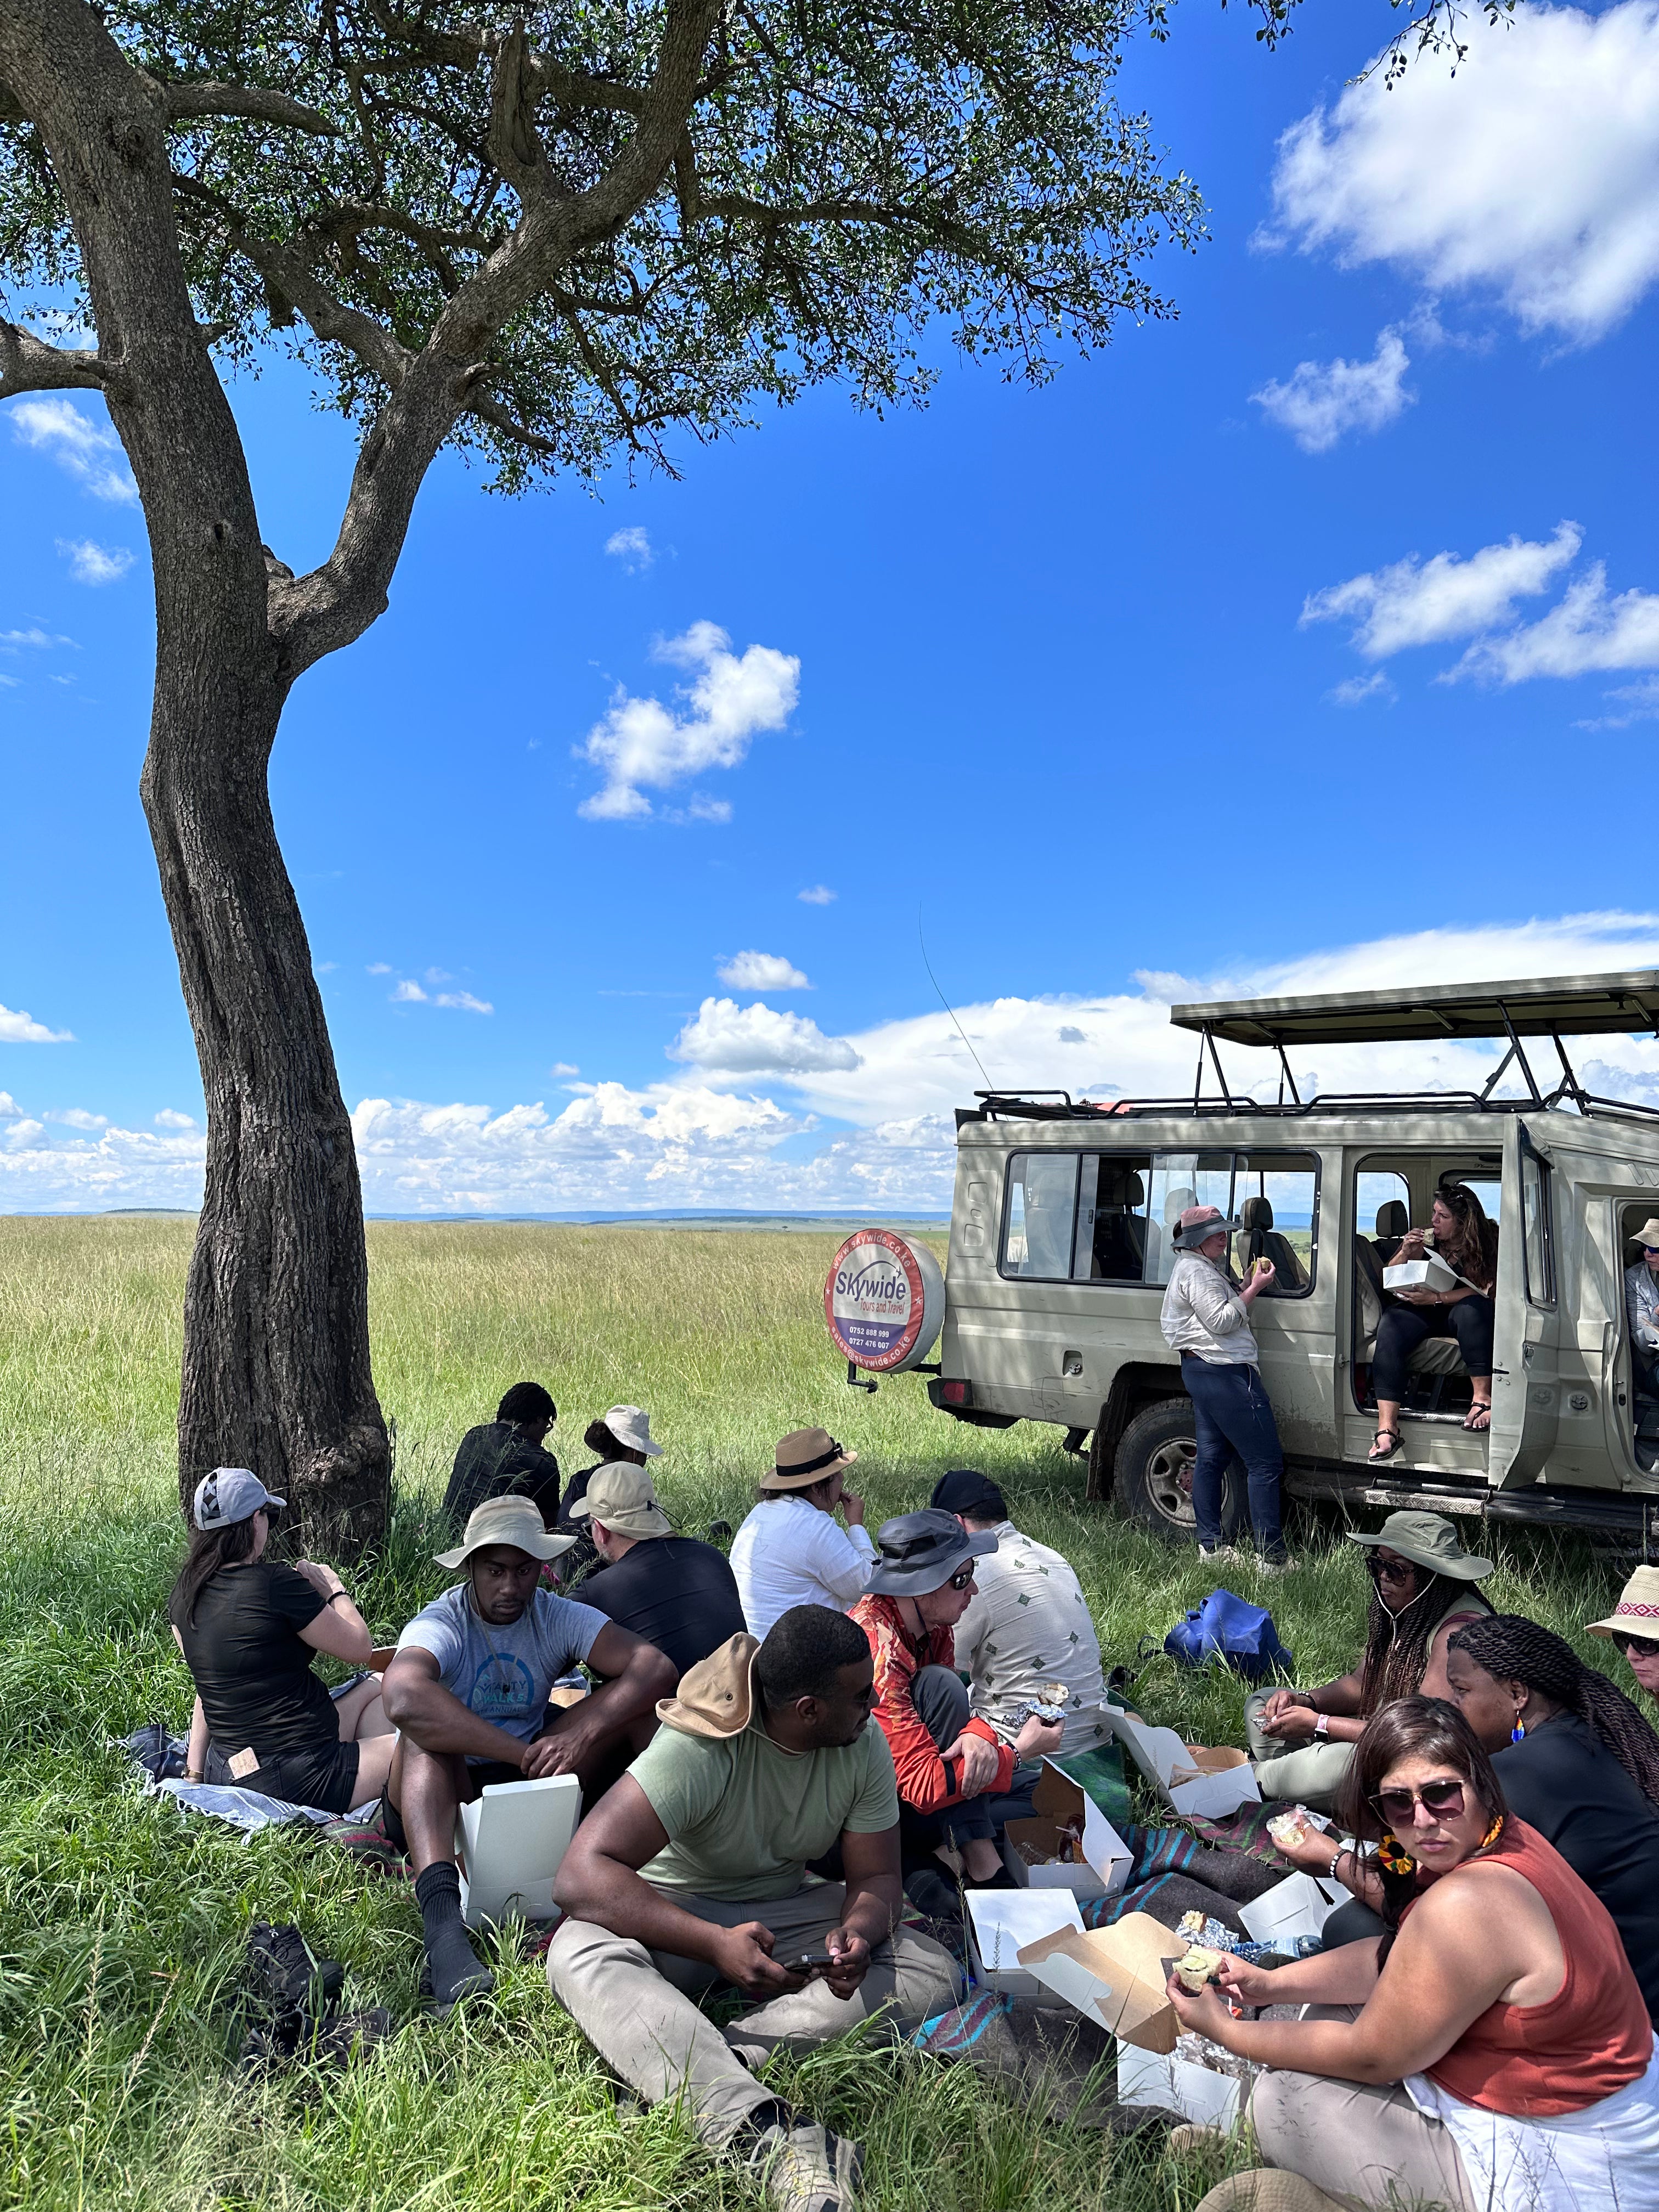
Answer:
(948, 1767)
(1499, 2002)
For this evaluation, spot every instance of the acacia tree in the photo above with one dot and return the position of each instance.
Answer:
(548, 236)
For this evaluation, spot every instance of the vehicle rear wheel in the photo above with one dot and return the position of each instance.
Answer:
(1154, 1478)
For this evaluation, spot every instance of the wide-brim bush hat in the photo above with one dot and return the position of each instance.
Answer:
(1198, 1223)
(1648, 1234)
(231, 1494)
(1428, 1539)
(806, 1456)
(921, 1551)
(508, 1520)
(621, 1496)
(1636, 1612)
(632, 1429)
(716, 1697)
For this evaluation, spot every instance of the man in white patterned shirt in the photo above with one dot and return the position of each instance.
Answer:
(1028, 1630)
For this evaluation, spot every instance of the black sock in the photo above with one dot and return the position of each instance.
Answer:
(456, 1967)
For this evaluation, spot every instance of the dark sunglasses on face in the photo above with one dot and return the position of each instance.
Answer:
(1388, 1571)
(961, 1580)
(1443, 1800)
(1643, 1647)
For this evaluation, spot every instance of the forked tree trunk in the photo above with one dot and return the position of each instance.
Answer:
(276, 1360)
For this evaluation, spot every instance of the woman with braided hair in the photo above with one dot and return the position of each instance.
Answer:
(1578, 1762)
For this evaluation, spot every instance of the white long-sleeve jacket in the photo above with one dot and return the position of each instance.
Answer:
(1203, 1313)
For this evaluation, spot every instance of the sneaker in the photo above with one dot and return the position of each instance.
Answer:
(1274, 1563)
(1209, 1551)
(366, 1838)
(805, 2168)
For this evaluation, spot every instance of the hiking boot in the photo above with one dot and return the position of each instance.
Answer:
(804, 2168)
(284, 1971)
(367, 1839)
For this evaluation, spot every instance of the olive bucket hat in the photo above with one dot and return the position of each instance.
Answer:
(1429, 1540)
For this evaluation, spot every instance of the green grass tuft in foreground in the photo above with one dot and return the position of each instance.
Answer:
(121, 1924)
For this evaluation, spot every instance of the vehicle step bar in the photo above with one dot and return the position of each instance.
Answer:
(1557, 1505)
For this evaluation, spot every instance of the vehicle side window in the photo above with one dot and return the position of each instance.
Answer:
(1041, 1215)
(1181, 1180)
(1111, 1217)
(1276, 1203)
(1537, 1228)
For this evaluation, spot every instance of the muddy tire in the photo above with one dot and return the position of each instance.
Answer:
(1154, 1475)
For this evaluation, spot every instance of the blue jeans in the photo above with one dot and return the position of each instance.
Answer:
(1235, 1419)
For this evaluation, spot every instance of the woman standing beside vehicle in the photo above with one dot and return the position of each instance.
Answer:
(1208, 1321)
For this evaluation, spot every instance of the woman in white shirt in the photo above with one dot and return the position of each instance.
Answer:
(790, 1550)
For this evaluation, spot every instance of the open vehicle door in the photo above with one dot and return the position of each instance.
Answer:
(1526, 1384)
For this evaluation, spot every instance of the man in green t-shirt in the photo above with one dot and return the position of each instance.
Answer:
(691, 1873)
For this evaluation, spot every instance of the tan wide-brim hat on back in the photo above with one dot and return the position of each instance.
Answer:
(1636, 1612)
(806, 1456)
(715, 1697)
(621, 1496)
(507, 1520)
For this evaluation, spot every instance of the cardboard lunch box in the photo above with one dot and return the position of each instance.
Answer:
(510, 1840)
(1191, 1777)
(1198, 2094)
(1116, 1976)
(1430, 1273)
(1000, 1921)
(1058, 1804)
(1298, 1905)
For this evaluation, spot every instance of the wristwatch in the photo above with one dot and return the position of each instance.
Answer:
(1322, 1726)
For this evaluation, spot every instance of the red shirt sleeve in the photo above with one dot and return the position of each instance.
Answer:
(927, 1783)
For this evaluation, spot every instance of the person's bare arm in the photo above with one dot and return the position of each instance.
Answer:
(195, 1750)
(1345, 1976)
(417, 1702)
(636, 1676)
(339, 1629)
(1292, 1715)
(1322, 1854)
(598, 1881)
(875, 1898)
(1454, 1957)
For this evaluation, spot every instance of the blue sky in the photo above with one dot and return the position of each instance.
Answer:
(1306, 641)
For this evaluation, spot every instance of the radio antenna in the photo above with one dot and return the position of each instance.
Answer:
(945, 1003)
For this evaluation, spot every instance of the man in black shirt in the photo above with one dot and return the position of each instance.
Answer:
(504, 1457)
(675, 1592)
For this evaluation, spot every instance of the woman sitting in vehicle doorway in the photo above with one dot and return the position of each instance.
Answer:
(1422, 1591)
(1467, 1243)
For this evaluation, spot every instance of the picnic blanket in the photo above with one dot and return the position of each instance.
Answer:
(160, 1758)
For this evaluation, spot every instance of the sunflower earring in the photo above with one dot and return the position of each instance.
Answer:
(1392, 1856)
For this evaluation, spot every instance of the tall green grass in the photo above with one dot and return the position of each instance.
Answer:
(121, 1922)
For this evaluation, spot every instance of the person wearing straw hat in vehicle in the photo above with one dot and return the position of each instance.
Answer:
(949, 1766)
(1423, 1591)
(1208, 1321)
(789, 1551)
(1634, 1626)
(677, 1593)
(622, 1438)
(469, 1688)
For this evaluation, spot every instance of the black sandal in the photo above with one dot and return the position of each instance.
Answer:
(1478, 1428)
(1376, 1458)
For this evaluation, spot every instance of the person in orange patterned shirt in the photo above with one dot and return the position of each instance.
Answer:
(951, 1769)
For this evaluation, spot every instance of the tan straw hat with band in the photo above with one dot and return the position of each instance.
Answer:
(506, 1520)
(1636, 1612)
(806, 1456)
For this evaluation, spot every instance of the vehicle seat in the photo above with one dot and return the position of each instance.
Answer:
(1120, 1224)
(1391, 1223)
(1260, 1240)
(1174, 1205)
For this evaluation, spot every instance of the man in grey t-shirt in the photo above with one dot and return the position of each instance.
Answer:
(468, 1689)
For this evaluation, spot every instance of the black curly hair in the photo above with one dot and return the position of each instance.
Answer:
(1397, 1644)
(1513, 1649)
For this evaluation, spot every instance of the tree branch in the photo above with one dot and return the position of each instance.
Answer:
(29, 364)
(188, 102)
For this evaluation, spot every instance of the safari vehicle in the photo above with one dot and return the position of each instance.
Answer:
(1061, 1245)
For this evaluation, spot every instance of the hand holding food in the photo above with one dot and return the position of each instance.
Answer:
(1199, 1966)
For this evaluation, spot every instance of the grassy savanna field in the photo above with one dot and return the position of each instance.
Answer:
(122, 1922)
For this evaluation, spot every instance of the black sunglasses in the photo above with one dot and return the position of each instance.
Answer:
(1445, 1800)
(1645, 1647)
(960, 1580)
(1388, 1571)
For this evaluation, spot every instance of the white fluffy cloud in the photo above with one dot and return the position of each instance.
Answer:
(90, 451)
(632, 547)
(1531, 175)
(817, 895)
(729, 701)
(1355, 691)
(409, 994)
(1586, 631)
(726, 1039)
(170, 1118)
(9, 1106)
(1320, 402)
(761, 971)
(79, 1117)
(19, 1028)
(1416, 602)
(92, 563)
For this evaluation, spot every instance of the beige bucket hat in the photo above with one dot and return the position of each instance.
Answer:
(1636, 1612)
(1648, 1234)
(806, 1456)
(620, 1495)
(717, 1696)
(508, 1520)
(1428, 1539)
(632, 1428)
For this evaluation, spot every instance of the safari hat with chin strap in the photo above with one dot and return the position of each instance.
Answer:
(1198, 1223)
(1428, 1539)
(806, 1456)
(507, 1520)
(1636, 1612)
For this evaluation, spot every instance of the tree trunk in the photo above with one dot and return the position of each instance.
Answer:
(276, 1358)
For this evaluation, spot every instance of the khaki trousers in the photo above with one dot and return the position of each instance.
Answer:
(636, 2006)
(1311, 1775)
(1369, 2147)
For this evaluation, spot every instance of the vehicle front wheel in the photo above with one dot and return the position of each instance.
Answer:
(1154, 1475)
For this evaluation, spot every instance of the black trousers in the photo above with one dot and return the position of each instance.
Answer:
(1402, 1328)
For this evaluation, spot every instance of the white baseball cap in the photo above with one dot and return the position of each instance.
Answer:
(230, 1494)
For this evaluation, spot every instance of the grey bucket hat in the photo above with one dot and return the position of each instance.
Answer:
(1428, 1539)
(920, 1550)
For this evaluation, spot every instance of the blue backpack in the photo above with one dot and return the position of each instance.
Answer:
(1241, 1635)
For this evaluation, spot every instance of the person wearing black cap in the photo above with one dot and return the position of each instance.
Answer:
(950, 1766)
(248, 1628)
(1027, 1642)
(506, 1457)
